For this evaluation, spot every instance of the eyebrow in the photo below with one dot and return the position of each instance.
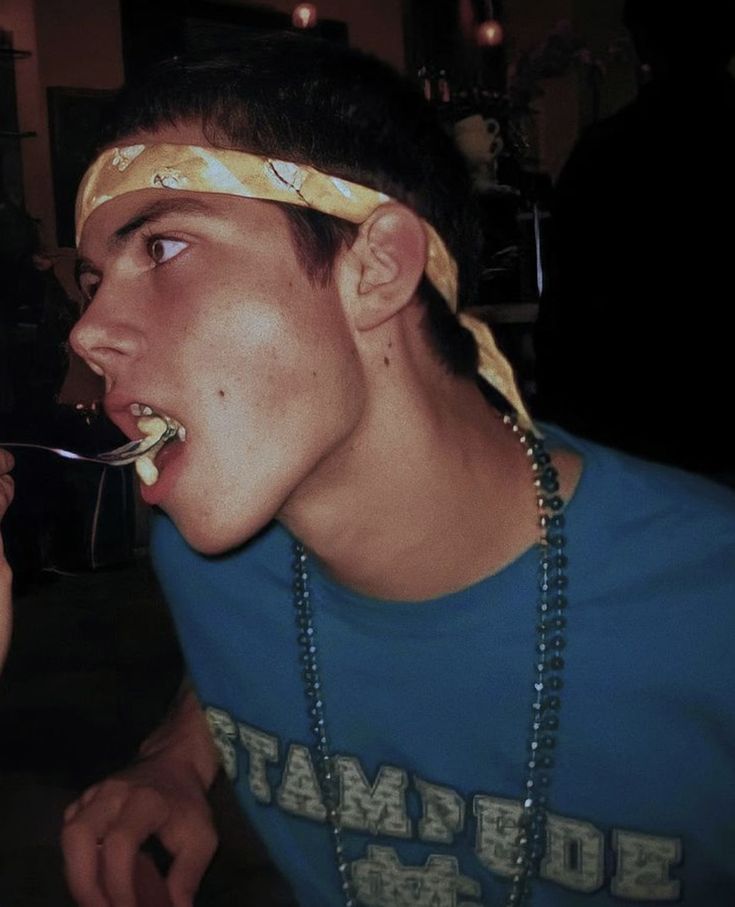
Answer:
(154, 212)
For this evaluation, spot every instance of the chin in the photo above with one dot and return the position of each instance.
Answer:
(213, 539)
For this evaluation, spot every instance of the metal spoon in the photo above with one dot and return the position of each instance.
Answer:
(119, 456)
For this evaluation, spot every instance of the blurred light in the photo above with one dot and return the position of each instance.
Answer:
(489, 33)
(304, 15)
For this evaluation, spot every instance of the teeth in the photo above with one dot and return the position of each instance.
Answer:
(147, 470)
(181, 433)
(140, 409)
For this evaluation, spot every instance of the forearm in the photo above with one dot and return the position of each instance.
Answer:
(183, 739)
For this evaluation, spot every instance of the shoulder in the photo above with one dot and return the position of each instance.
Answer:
(642, 485)
(650, 520)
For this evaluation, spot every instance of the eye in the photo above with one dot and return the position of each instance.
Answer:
(89, 284)
(162, 250)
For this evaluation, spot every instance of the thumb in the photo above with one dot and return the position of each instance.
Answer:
(150, 888)
(187, 870)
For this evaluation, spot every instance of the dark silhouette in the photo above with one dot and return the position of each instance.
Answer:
(634, 338)
(19, 287)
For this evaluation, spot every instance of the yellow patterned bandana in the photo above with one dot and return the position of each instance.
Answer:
(118, 171)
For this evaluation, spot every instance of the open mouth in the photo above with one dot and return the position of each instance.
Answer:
(157, 429)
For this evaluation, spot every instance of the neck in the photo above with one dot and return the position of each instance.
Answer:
(429, 494)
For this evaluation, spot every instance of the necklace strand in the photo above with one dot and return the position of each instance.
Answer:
(547, 684)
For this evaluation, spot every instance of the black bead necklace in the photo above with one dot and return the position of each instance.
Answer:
(547, 683)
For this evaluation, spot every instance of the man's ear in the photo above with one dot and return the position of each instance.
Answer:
(390, 256)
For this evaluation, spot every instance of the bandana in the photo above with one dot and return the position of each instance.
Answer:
(118, 171)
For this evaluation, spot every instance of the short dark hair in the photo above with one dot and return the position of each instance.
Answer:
(344, 112)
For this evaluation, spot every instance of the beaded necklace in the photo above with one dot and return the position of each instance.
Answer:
(547, 681)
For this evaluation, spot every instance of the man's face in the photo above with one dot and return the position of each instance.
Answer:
(200, 310)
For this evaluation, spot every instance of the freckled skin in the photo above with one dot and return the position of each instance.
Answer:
(386, 360)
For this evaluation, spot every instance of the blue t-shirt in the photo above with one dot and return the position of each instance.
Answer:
(428, 707)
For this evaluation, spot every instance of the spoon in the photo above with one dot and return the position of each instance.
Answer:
(119, 456)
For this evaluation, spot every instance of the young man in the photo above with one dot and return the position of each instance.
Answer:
(367, 564)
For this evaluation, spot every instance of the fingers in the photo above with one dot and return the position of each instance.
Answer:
(80, 843)
(105, 829)
(7, 486)
(144, 814)
(6, 460)
(85, 825)
(101, 837)
(6, 609)
(192, 856)
(6, 496)
(150, 887)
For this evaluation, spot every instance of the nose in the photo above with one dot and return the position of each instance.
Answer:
(105, 336)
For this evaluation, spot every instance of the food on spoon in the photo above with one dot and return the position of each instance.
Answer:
(161, 428)
(147, 470)
(152, 426)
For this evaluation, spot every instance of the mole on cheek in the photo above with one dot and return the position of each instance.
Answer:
(386, 360)
(221, 393)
